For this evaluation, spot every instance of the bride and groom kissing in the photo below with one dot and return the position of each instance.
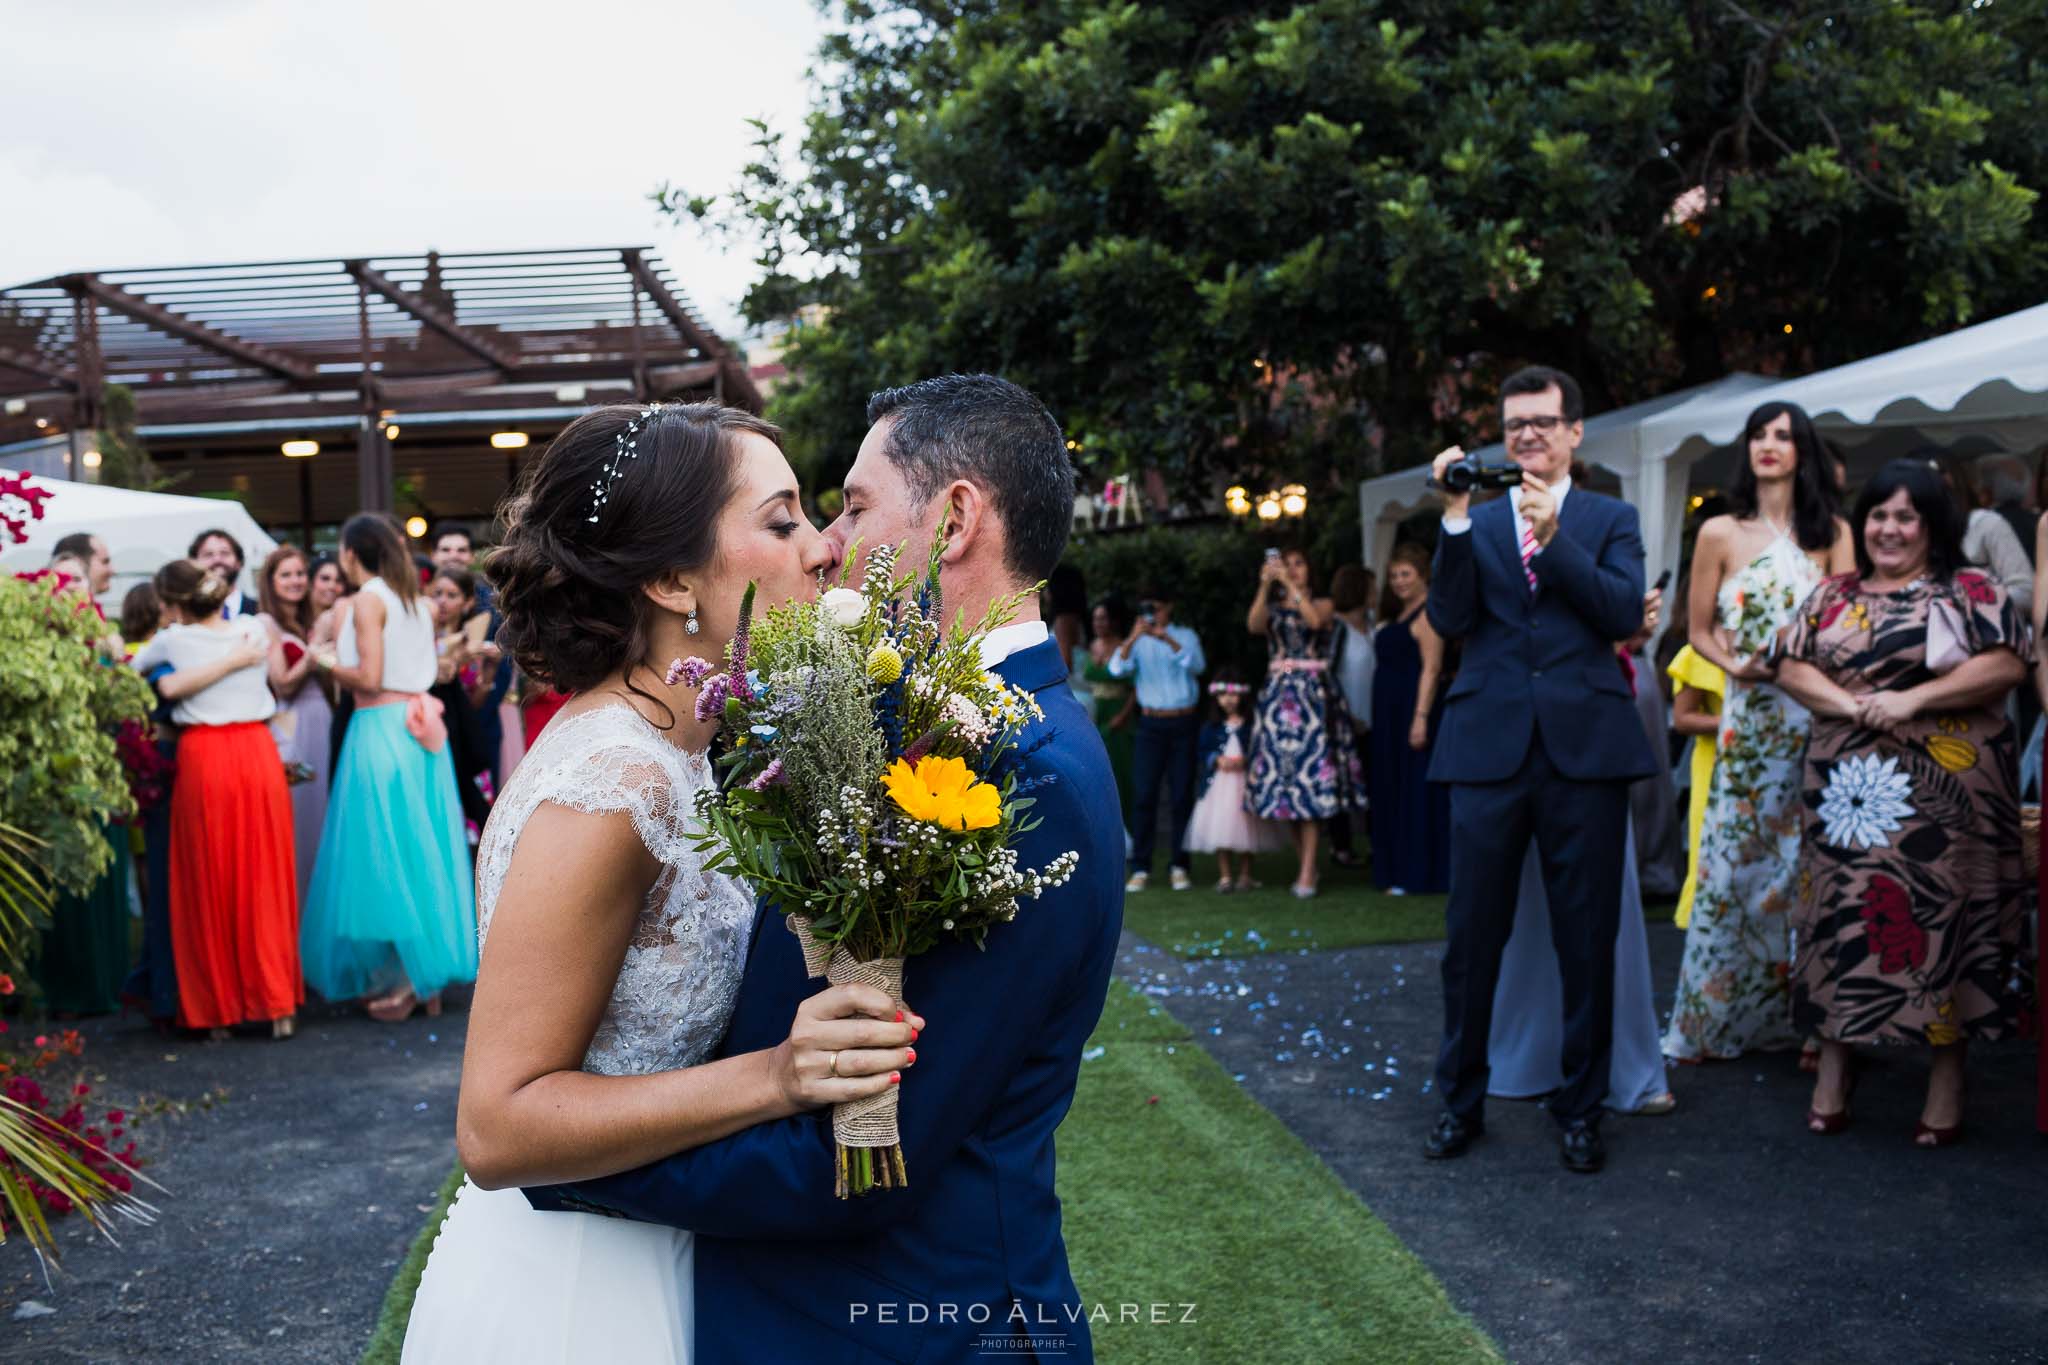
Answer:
(644, 1110)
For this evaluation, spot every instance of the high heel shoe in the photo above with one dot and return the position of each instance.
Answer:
(1829, 1125)
(285, 1027)
(398, 1006)
(1926, 1135)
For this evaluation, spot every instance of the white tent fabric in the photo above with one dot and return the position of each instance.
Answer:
(1978, 389)
(1613, 441)
(143, 531)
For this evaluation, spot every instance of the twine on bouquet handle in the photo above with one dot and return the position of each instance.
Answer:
(869, 1149)
(816, 954)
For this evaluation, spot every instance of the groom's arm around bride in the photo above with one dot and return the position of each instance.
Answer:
(785, 1269)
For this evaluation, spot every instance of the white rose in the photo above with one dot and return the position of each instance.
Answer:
(844, 606)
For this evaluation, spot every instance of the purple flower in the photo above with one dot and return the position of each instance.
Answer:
(767, 777)
(690, 672)
(736, 675)
(711, 701)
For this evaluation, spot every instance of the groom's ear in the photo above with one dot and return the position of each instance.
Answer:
(672, 592)
(968, 520)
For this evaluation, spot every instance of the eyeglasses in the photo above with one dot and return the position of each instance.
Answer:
(1515, 426)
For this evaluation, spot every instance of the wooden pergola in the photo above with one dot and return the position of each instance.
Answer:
(429, 375)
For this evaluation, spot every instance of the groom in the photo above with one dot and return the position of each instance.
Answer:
(969, 1257)
(1540, 740)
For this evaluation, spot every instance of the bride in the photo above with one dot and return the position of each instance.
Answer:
(610, 958)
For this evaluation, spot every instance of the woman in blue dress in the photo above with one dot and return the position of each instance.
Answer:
(1411, 817)
(1304, 766)
(391, 912)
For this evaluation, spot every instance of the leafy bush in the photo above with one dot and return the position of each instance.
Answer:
(61, 775)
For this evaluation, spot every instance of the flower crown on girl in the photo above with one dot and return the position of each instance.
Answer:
(1228, 689)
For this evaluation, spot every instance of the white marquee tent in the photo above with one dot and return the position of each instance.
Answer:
(142, 531)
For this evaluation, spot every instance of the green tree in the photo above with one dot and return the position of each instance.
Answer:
(124, 459)
(1306, 240)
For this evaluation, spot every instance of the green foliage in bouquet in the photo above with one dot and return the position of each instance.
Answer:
(60, 774)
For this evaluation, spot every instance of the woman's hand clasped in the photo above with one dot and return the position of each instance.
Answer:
(846, 1043)
(1888, 711)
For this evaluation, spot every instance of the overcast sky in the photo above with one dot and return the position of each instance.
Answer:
(138, 132)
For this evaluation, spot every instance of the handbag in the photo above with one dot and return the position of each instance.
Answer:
(1948, 646)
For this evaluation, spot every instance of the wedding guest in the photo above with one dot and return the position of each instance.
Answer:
(1912, 894)
(1352, 659)
(466, 685)
(304, 723)
(1305, 767)
(1114, 700)
(1065, 606)
(82, 958)
(1165, 660)
(391, 913)
(1221, 824)
(1696, 711)
(90, 551)
(330, 593)
(233, 894)
(455, 548)
(1989, 541)
(1411, 823)
(153, 982)
(222, 553)
(1751, 569)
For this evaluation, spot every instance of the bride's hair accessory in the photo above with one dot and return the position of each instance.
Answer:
(625, 446)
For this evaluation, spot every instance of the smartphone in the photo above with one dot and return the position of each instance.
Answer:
(1663, 580)
(1271, 553)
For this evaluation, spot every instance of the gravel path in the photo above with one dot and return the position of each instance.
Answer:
(291, 1200)
(1724, 1232)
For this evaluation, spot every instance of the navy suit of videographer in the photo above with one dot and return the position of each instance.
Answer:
(1539, 740)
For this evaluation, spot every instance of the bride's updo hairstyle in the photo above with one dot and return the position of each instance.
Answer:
(569, 587)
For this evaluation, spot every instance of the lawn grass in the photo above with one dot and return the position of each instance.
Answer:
(1350, 912)
(1179, 1189)
(389, 1338)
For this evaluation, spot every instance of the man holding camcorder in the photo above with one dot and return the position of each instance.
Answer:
(1167, 662)
(1539, 740)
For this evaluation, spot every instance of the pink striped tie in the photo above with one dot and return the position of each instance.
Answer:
(1529, 548)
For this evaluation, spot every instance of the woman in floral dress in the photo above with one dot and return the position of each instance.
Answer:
(1751, 570)
(1305, 767)
(1912, 892)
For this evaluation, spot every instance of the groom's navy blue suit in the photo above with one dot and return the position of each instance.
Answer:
(1540, 738)
(785, 1271)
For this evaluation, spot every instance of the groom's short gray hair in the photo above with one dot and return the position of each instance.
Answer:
(997, 436)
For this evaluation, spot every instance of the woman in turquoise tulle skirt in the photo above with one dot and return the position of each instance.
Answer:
(391, 912)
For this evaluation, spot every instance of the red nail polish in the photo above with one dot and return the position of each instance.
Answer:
(910, 1058)
(899, 1016)
(913, 1035)
(895, 1078)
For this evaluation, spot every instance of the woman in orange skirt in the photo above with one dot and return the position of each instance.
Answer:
(233, 882)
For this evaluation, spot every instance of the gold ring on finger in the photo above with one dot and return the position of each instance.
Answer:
(835, 1064)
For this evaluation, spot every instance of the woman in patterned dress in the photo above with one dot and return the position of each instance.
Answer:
(1911, 888)
(1305, 766)
(1751, 570)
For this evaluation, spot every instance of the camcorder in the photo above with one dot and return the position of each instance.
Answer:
(1469, 475)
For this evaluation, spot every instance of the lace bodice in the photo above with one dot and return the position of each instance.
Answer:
(676, 987)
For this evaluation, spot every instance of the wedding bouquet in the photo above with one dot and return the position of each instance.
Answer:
(871, 790)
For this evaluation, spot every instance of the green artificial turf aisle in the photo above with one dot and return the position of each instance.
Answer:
(1351, 911)
(389, 1337)
(1179, 1189)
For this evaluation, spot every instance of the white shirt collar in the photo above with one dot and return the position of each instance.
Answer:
(1000, 643)
(1558, 492)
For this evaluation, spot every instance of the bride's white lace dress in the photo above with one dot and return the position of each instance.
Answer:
(509, 1285)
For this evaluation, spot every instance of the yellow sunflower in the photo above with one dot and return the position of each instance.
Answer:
(943, 792)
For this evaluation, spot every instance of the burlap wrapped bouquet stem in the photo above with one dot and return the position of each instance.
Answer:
(816, 954)
(870, 1153)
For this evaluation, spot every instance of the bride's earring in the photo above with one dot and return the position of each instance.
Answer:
(690, 626)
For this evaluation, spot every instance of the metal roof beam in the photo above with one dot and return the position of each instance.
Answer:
(134, 306)
(39, 366)
(430, 315)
